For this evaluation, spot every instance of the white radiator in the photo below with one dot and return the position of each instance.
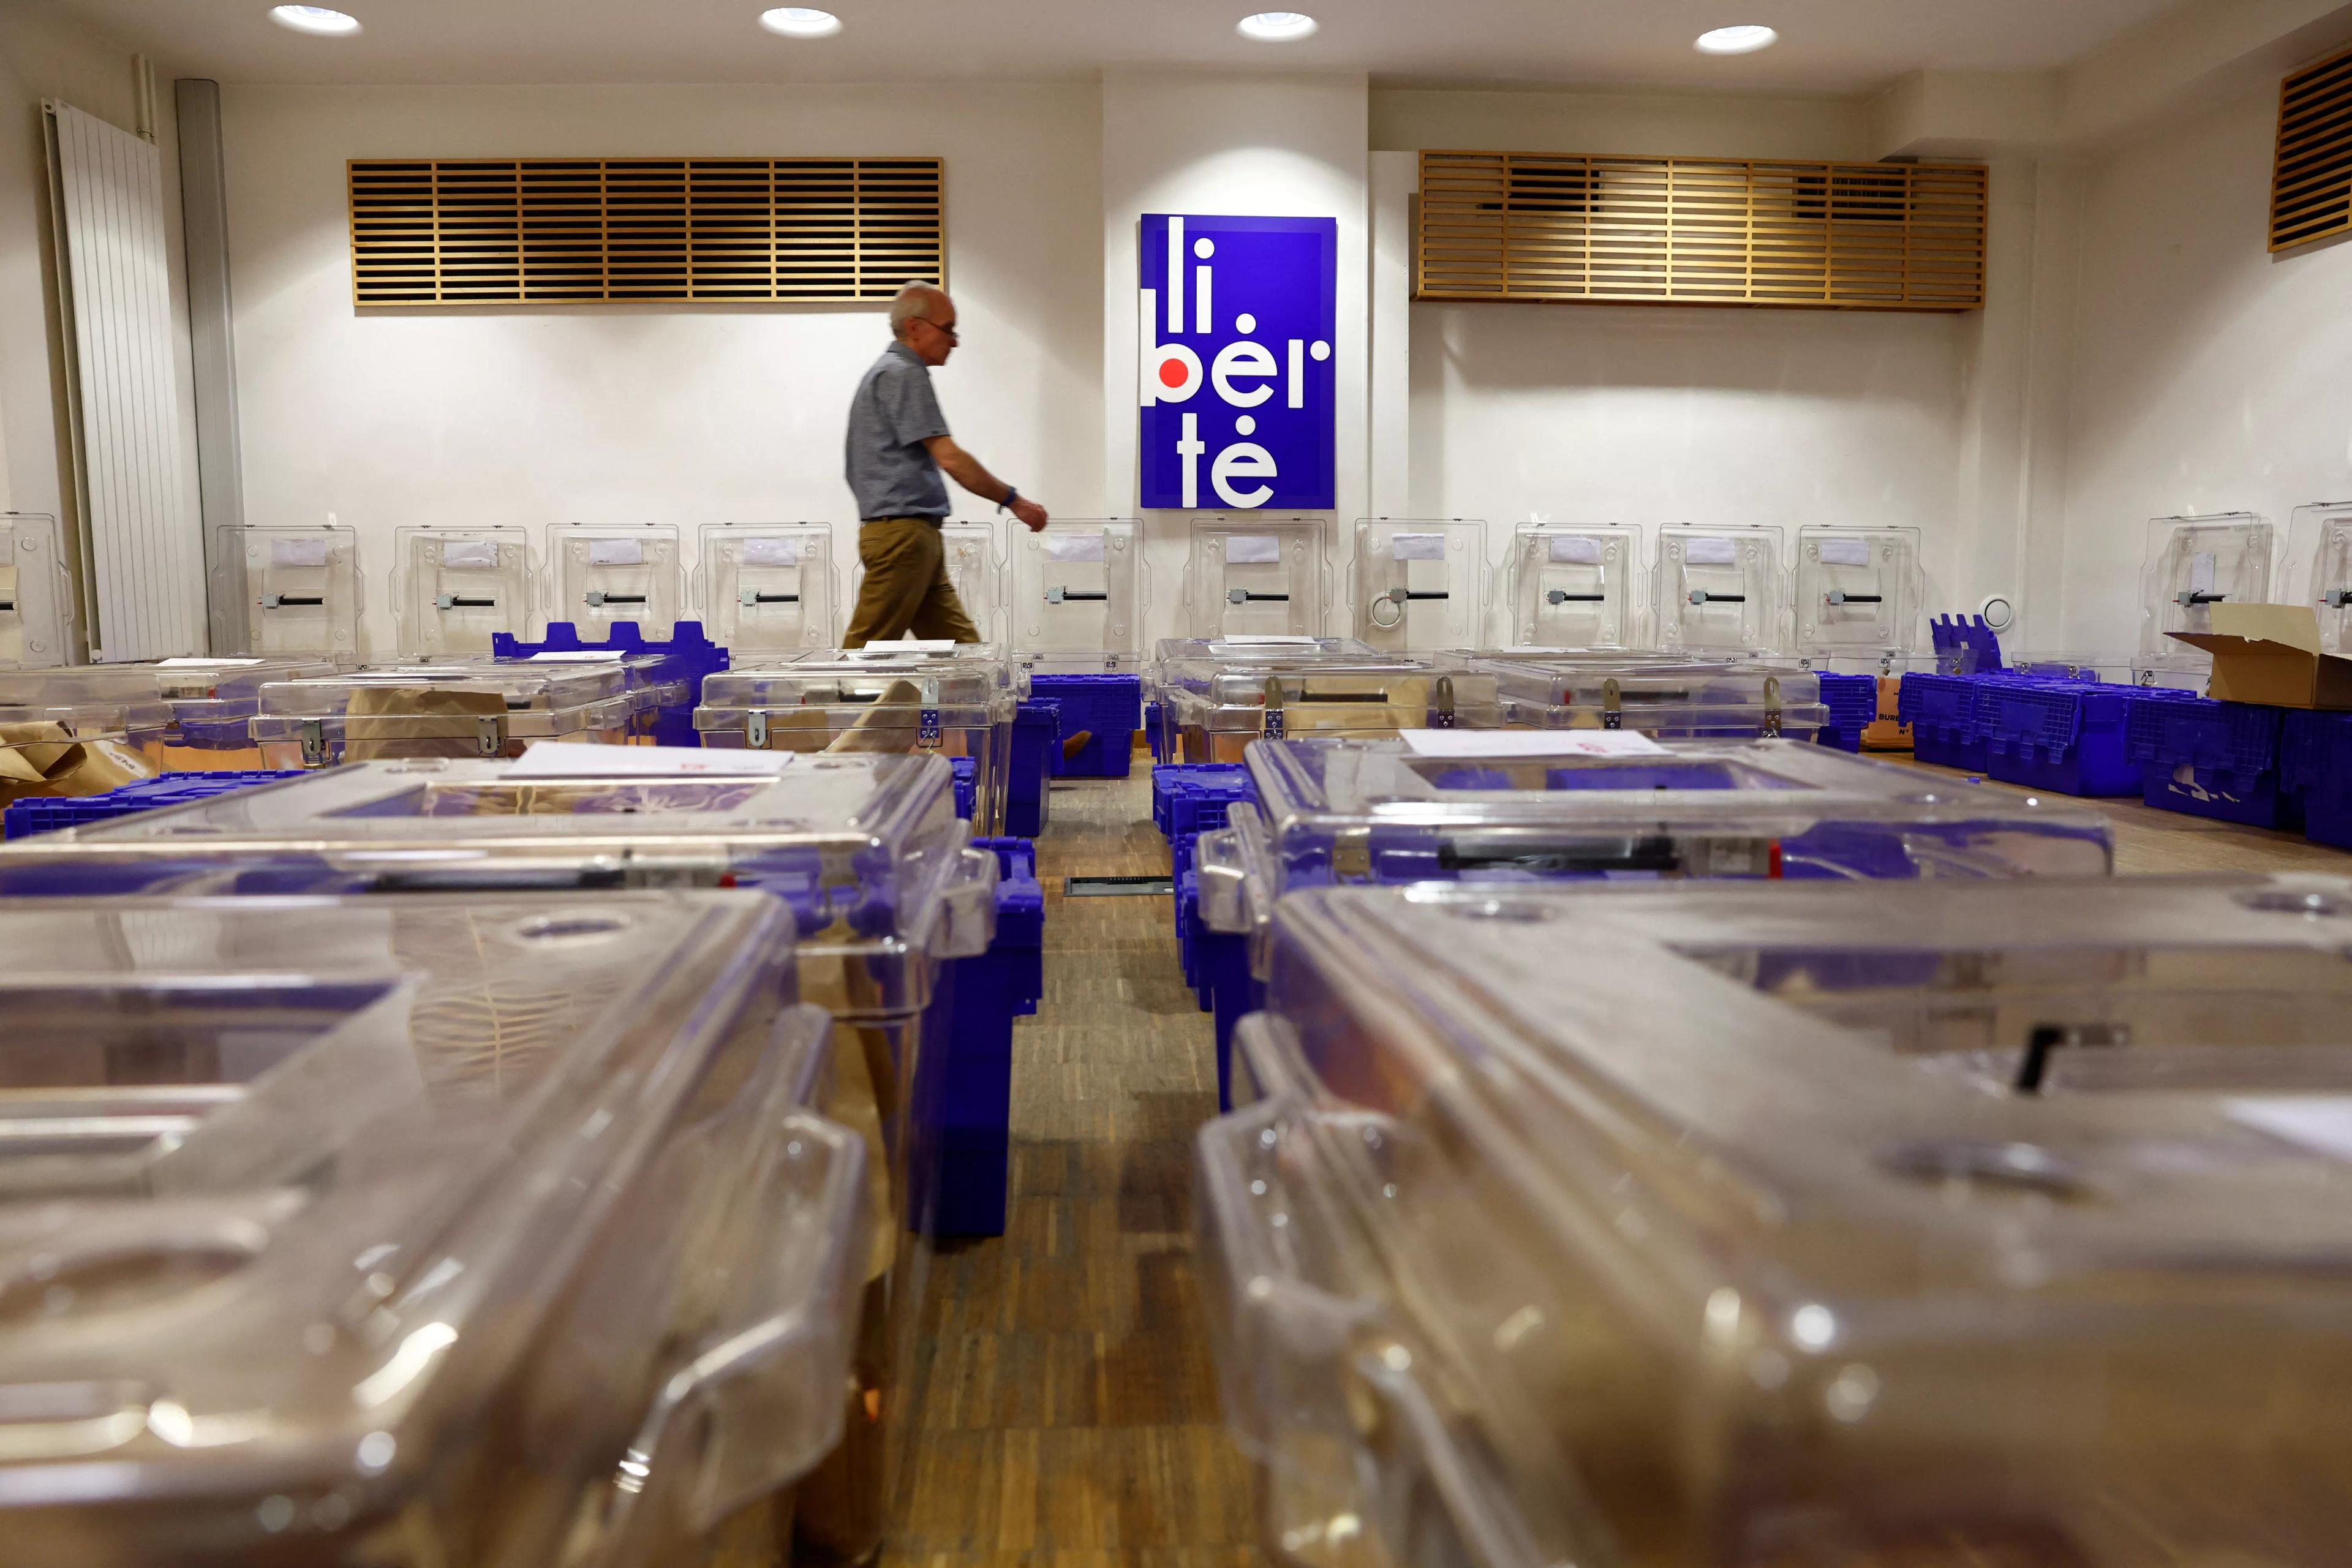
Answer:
(144, 547)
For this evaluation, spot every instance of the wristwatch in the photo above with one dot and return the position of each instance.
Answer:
(1011, 496)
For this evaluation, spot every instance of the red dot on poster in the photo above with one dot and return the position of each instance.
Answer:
(1172, 373)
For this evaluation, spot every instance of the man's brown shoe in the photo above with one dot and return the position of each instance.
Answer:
(1075, 743)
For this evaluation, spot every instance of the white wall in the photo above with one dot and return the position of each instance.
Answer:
(2206, 374)
(41, 59)
(1649, 415)
(1228, 146)
(534, 415)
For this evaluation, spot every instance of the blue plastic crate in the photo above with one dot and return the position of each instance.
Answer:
(2213, 758)
(1942, 712)
(1036, 741)
(46, 814)
(1852, 702)
(1151, 732)
(2315, 765)
(966, 785)
(964, 1157)
(1108, 708)
(1197, 798)
(1230, 991)
(689, 657)
(2067, 737)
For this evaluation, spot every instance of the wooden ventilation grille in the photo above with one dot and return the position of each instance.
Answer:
(553, 231)
(1703, 231)
(2311, 183)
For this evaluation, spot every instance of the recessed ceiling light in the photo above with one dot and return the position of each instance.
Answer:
(801, 22)
(316, 19)
(1741, 41)
(1277, 27)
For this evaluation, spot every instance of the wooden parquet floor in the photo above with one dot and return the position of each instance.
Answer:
(1064, 1407)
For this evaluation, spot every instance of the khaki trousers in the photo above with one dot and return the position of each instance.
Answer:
(906, 587)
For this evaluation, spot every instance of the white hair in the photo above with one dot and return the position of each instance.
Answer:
(914, 302)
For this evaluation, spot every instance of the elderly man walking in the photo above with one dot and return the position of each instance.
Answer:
(899, 446)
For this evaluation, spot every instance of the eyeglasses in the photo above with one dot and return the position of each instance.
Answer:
(948, 329)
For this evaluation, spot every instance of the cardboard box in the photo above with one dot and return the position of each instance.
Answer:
(2269, 654)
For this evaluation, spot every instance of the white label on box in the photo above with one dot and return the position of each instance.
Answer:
(1253, 549)
(616, 553)
(1837, 552)
(1417, 547)
(469, 553)
(2200, 573)
(298, 553)
(1074, 546)
(578, 655)
(1267, 639)
(2321, 1123)
(1470, 743)
(584, 760)
(1710, 550)
(1575, 550)
(202, 663)
(772, 552)
(892, 649)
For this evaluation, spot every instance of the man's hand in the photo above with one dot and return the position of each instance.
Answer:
(1030, 512)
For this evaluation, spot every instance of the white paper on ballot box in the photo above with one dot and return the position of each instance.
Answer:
(1074, 546)
(296, 553)
(1845, 553)
(616, 553)
(1575, 550)
(1253, 549)
(584, 760)
(772, 552)
(1465, 744)
(1417, 547)
(469, 553)
(1710, 550)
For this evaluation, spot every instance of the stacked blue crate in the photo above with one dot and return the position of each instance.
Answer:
(2315, 765)
(1151, 732)
(1852, 702)
(2213, 758)
(1942, 712)
(46, 814)
(1186, 801)
(2063, 736)
(971, 1117)
(1107, 707)
(688, 656)
(1036, 741)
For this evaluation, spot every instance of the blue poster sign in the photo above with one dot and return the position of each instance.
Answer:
(1240, 319)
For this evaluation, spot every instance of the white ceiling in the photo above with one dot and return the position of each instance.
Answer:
(1828, 46)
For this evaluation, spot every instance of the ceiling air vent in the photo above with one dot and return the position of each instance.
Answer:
(2311, 183)
(570, 231)
(1700, 231)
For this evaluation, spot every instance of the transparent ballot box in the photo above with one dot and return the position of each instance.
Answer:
(2194, 563)
(660, 684)
(955, 700)
(1666, 697)
(1692, 1225)
(1191, 663)
(508, 1228)
(36, 592)
(1574, 588)
(1497, 807)
(768, 587)
(1078, 596)
(2319, 567)
(1262, 576)
(459, 709)
(455, 588)
(967, 553)
(301, 589)
(1419, 583)
(1213, 720)
(1720, 589)
(209, 702)
(602, 574)
(1860, 592)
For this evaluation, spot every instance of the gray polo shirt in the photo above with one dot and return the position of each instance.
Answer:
(890, 471)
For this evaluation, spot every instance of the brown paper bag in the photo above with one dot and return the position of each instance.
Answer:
(416, 721)
(41, 759)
